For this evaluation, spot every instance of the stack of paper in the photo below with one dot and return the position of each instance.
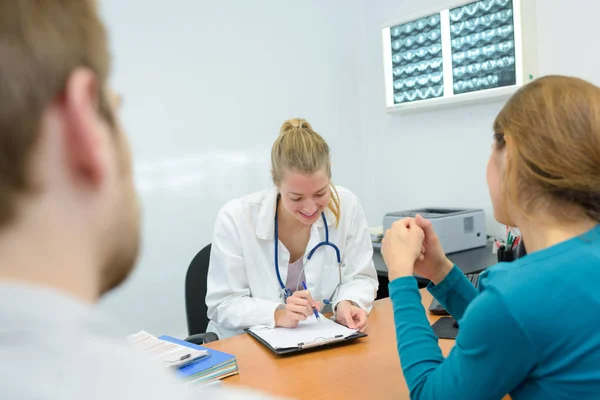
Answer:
(169, 354)
(218, 365)
(376, 233)
(196, 364)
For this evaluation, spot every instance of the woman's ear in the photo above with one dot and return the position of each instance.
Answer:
(507, 149)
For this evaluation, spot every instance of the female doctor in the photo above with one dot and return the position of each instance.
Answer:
(268, 245)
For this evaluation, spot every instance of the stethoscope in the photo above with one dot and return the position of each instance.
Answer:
(287, 292)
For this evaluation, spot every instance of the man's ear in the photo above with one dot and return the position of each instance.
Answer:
(82, 134)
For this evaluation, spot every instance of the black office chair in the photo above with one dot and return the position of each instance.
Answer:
(195, 299)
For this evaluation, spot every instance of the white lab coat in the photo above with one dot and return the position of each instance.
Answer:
(243, 290)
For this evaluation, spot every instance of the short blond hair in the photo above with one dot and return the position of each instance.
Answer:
(299, 148)
(41, 43)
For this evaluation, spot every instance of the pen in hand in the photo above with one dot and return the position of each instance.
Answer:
(314, 309)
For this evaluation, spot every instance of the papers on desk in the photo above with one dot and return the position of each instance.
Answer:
(307, 334)
(169, 354)
(218, 366)
(195, 364)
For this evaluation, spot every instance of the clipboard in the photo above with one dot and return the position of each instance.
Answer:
(318, 343)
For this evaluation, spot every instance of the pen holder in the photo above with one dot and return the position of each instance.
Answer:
(506, 255)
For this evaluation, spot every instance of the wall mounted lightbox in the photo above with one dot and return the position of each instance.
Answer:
(468, 52)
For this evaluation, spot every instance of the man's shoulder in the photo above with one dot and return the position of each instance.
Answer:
(95, 367)
(83, 368)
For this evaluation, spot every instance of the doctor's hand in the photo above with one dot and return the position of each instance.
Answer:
(298, 307)
(402, 246)
(434, 265)
(351, 316)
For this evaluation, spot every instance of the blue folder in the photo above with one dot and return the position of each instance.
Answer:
(219, 365)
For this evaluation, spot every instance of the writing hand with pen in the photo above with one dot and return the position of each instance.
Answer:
(299, 306)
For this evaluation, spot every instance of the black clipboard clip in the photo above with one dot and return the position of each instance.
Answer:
(320, 341)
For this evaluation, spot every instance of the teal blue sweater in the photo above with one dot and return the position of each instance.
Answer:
(532, 330)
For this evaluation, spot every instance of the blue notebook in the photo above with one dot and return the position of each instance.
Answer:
(218, 366)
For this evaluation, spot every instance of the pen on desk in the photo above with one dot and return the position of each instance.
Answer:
(314, 309)
(185, 357)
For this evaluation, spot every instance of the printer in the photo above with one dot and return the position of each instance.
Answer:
(458, 229)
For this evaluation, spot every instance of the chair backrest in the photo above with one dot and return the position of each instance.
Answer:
(195, 292)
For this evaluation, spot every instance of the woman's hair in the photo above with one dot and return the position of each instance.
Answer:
(552, 129)
(299, 148)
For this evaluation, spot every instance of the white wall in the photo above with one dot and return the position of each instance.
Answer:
(206, 86)
(439, 157)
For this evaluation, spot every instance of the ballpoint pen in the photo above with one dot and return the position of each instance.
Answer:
(188, 359)
(314, 309)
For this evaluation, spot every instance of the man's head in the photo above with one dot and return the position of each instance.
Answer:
(65, 171)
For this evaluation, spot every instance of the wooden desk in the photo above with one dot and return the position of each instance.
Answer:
(369, 368)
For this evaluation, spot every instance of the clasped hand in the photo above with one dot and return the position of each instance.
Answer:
(411, 246)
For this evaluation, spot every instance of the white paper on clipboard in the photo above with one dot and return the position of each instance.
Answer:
(307, 333)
